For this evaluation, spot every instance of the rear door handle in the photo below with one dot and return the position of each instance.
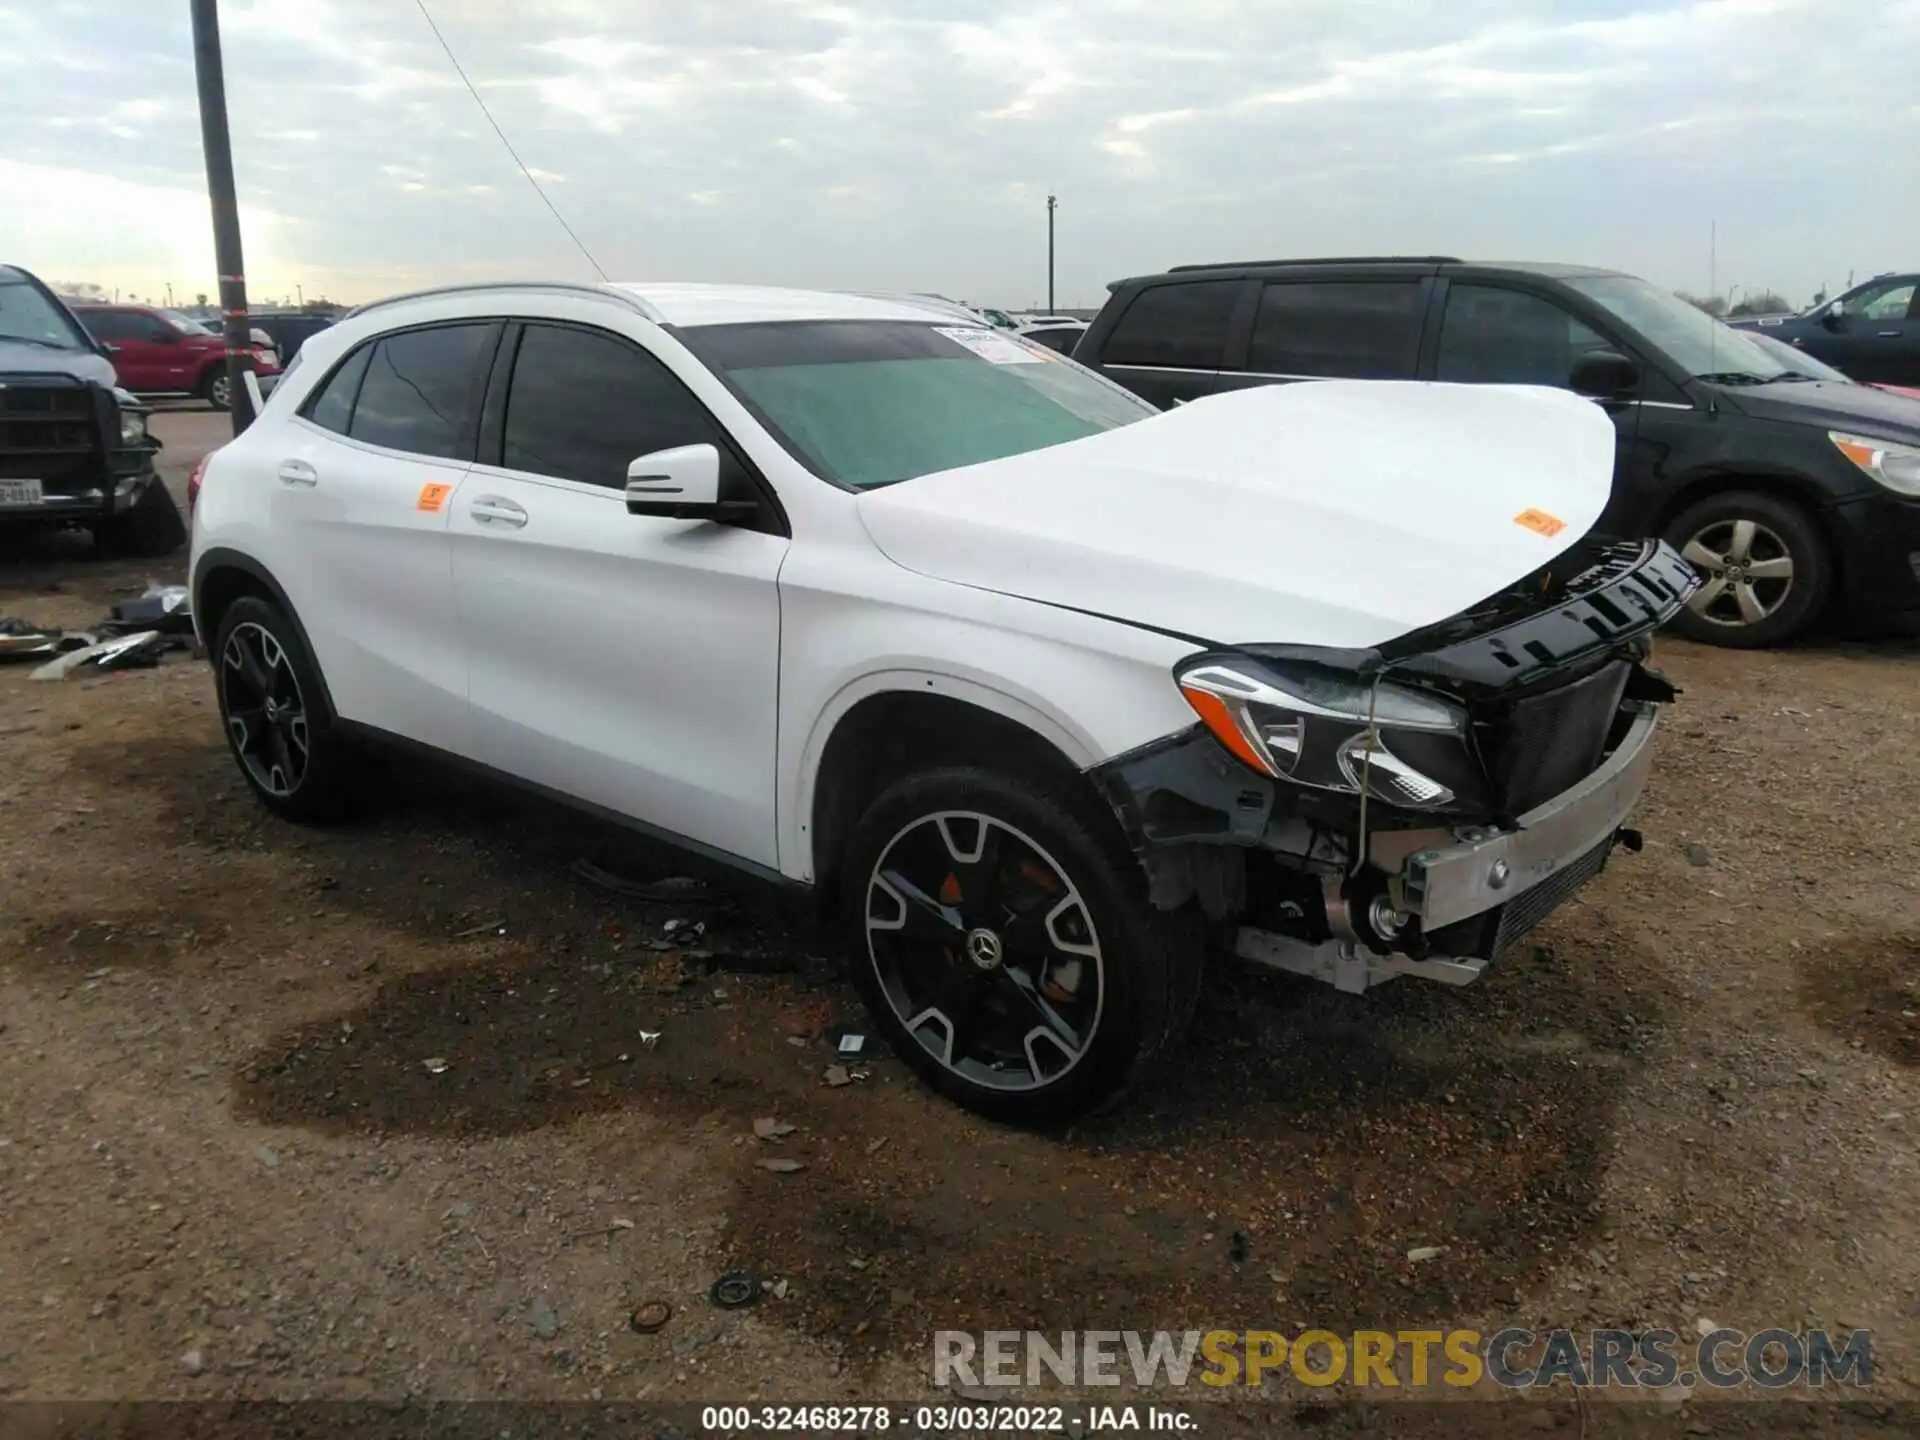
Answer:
(492, 510)
(298, 472)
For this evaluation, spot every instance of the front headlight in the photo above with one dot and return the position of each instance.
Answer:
(133, 427)
(1398, 745)
(1895, 466)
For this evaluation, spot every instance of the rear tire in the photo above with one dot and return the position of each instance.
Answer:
(1002, 939)
(150, 529)
(217, 387)
(1767, 567)
(275, 715)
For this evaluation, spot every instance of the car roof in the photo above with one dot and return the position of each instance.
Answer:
(690, 304)
(686, 304)
(1394, 264)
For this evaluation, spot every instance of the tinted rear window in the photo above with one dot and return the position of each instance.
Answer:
(421, 393)
(1368, 330)
(1178, 326)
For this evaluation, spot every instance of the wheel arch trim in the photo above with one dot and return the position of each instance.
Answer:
(1075, 747)
(221, 557)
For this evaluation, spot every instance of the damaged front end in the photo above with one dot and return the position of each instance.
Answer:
(1417, 807)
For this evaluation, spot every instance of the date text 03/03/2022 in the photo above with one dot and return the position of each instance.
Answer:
(944, 1419)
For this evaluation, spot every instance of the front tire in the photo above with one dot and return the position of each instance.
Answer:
(149, 529)
(217, 388)
(1768, 572)
(1003, 941)
(275, 715)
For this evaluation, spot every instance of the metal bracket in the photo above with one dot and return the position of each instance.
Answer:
(1343, 965)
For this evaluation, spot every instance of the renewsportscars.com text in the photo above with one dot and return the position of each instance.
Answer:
(1513, 1358)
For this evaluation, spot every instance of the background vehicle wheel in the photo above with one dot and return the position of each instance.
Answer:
(275, 717)
(1767, 570)
(217, 388)
(150, 529)
(1002, 938)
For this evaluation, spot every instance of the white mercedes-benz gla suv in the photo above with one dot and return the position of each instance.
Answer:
(1045, 693)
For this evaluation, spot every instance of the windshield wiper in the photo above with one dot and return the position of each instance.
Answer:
(1730, 377)
(36, 340)
(1788, 375)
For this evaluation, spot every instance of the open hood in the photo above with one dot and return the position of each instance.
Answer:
(1336, 513)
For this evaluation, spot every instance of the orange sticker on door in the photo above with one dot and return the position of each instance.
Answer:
(433, 497)
(1540, 522)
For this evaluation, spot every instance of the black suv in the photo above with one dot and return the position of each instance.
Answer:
(1786, 488)
(74, 448)
(1872, 332)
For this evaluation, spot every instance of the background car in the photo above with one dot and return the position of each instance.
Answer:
(157, 351)
(1872, 332)
(288, 330)
(1788, 490)
(1055, 332)
(74, 447)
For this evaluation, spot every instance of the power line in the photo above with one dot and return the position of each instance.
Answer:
(425, 15)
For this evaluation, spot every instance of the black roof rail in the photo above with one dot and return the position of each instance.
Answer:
(1323, 260)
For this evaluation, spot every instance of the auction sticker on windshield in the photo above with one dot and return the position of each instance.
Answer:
(19, 492)
(995, 349)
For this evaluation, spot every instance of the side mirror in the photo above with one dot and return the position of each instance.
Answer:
(682, 484)
(1604, 375)
(1834, 314)
(108, 350)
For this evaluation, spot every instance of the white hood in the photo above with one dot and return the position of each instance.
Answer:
(1337, 513)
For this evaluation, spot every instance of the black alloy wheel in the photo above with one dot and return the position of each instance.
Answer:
(266, 713)
(985, 950)
(1005, 946)
(274, 710)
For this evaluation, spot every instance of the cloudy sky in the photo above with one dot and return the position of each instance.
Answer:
(910, 144)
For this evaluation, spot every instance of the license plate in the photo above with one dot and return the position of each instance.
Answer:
(15, 493)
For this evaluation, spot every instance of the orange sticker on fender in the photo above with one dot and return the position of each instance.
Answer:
(1540, 522)
(432, 497)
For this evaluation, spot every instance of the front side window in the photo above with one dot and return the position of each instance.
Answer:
(1175, 327)
(1890, 301)
(421, 391)
(584, 405)
(869, 403)
(1365, 330)
(1495, 336)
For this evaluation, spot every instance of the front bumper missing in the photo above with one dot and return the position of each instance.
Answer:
(1531, 870)
(1443, 887)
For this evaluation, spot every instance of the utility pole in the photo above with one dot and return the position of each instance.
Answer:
(218, 145)
(1051, 202)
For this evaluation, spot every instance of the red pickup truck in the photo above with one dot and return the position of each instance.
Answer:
(163, 352)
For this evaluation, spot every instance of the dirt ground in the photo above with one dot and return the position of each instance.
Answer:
(368, 1111)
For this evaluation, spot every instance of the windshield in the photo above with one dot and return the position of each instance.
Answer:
(27, 314)
(1688, 335)
(185, 323)
(868, 403)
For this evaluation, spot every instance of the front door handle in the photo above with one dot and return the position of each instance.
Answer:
(298, 472)
(492, 510)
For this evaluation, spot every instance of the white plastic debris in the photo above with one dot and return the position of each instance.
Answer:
(434, 1065)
